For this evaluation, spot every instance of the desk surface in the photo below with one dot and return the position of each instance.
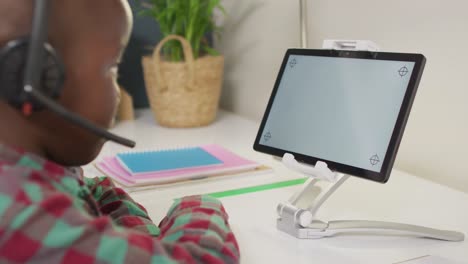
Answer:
(405, 198)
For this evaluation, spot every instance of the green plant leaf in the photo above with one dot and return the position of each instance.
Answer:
(191, 19)
(211, 51)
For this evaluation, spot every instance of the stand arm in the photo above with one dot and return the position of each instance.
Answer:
(304, 189)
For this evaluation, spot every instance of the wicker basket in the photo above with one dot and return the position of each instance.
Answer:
(183, 94)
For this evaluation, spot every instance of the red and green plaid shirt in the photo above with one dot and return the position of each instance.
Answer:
(50, 214)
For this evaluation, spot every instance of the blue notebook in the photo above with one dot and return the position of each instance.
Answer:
(166, 160)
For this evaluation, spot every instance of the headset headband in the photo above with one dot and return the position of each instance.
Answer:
(35, 57)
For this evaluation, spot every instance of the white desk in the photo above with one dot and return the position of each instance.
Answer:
(405, 199)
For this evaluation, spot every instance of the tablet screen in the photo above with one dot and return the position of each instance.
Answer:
(343, 110)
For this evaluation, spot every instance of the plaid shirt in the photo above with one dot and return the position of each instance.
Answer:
(50, 214)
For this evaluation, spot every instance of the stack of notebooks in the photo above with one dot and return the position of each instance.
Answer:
(170, 166)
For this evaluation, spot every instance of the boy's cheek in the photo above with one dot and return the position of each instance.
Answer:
(115, 102)
(105, 105)
(118, 94)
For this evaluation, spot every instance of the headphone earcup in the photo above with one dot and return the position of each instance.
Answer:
(12, 67)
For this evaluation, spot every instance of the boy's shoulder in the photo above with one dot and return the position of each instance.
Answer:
(26, 178)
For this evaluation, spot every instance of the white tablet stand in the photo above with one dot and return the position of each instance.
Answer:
(303, 224)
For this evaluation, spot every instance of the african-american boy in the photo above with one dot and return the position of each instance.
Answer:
(49, 212)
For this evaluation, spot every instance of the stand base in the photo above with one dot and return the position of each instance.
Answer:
(318, 230)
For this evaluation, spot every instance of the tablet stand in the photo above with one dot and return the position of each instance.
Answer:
(302, 223)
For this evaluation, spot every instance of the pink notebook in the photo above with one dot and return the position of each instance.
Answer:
(231, 163)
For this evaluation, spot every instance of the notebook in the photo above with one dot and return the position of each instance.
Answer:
(166, 160)
(231, 164)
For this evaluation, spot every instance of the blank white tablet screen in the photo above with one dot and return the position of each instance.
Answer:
(338, 109)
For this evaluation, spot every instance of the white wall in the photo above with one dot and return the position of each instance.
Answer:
(435, 144)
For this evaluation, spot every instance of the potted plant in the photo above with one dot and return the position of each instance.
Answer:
(184, 75)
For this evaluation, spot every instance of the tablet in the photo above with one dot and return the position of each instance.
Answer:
(346, 108)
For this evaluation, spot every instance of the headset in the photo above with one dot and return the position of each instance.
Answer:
(32, 76)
